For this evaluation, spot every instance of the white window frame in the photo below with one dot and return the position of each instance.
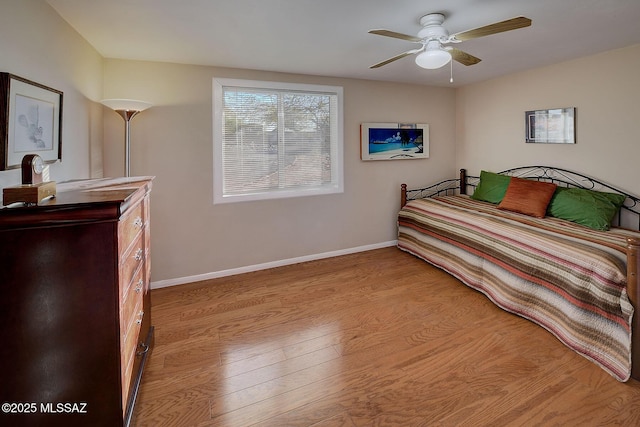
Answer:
(337, 185)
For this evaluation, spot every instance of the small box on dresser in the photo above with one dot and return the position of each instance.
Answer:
(75, 320)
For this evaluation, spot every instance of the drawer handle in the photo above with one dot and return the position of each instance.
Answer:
(145, 348)
(138, 255)
(140, 316)
(139, 286)
(138, 222)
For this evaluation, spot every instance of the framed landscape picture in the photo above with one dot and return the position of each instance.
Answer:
(30, 121)
(394, 141)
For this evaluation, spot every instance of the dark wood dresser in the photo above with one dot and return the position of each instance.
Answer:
(75, 324)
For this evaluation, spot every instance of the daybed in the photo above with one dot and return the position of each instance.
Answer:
(551, 245)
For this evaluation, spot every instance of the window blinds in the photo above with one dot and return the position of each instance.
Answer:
(275, 139)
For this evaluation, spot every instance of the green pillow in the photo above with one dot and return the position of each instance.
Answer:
(491, 187)
(594, 209)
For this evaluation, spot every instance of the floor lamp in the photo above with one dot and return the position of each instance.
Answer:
(127, 109)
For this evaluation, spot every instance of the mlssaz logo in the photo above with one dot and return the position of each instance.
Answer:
(66, 408)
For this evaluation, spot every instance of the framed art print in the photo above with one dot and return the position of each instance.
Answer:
(30, 121)
(553, 126)
(391, 141)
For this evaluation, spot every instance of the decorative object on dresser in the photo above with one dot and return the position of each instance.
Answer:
(30, 121)
(127, 109)
(74, 303)
(35, 183)
(571, 265)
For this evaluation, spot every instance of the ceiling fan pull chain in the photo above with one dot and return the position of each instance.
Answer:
(451, 78)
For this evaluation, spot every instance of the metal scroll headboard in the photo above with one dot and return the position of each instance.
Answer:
(628, 216)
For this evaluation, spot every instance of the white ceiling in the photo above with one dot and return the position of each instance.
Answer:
(329, 37)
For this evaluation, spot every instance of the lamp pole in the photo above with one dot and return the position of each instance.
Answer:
(127, 109)
(127, 115)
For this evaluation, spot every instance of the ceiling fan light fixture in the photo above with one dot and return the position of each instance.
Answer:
(432, 59)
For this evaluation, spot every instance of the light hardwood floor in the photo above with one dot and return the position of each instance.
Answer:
(375, 338)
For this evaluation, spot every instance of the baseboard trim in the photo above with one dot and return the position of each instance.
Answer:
(250, 268)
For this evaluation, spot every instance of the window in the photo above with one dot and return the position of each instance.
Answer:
(274, 140)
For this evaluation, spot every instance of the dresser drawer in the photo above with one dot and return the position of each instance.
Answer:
(130, 226)
(131, 297)
(131, 262)
(129, 343)
(131, 323)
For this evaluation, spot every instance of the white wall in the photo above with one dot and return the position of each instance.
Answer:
(35, 43)
(173, 141)
(604, 89)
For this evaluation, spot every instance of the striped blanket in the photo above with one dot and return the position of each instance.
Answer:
(567, 278)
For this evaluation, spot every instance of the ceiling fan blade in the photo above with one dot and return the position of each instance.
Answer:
(463, 57)
(395, 58)
(498, 27)
(395, 35)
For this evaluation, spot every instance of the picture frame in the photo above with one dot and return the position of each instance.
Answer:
(394, 141)
(30, 121)
(552, 126)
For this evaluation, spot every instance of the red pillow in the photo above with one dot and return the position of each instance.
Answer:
(528, 197)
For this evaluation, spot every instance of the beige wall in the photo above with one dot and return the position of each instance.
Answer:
(173, 141)
(604, 89)
(35, 43)
(480, 126)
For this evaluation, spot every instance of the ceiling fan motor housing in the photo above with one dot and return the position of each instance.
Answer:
(432, 28)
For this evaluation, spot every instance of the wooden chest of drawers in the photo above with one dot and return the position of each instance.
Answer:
(75, 324)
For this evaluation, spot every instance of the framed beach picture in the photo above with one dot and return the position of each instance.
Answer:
(394, 141)
(30, 121)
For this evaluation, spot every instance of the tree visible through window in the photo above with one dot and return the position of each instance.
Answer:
(276, 140)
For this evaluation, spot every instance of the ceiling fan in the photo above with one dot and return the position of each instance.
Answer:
(432, 54)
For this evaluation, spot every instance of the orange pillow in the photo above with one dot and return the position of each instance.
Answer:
(528, 197)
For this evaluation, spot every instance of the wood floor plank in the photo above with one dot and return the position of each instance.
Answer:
(286, 367)
(374, 338)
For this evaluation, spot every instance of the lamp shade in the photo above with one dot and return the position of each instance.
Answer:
(432, 59)
(126, 104)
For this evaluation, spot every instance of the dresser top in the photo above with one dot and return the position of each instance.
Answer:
(80, 201)
(98, 190)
